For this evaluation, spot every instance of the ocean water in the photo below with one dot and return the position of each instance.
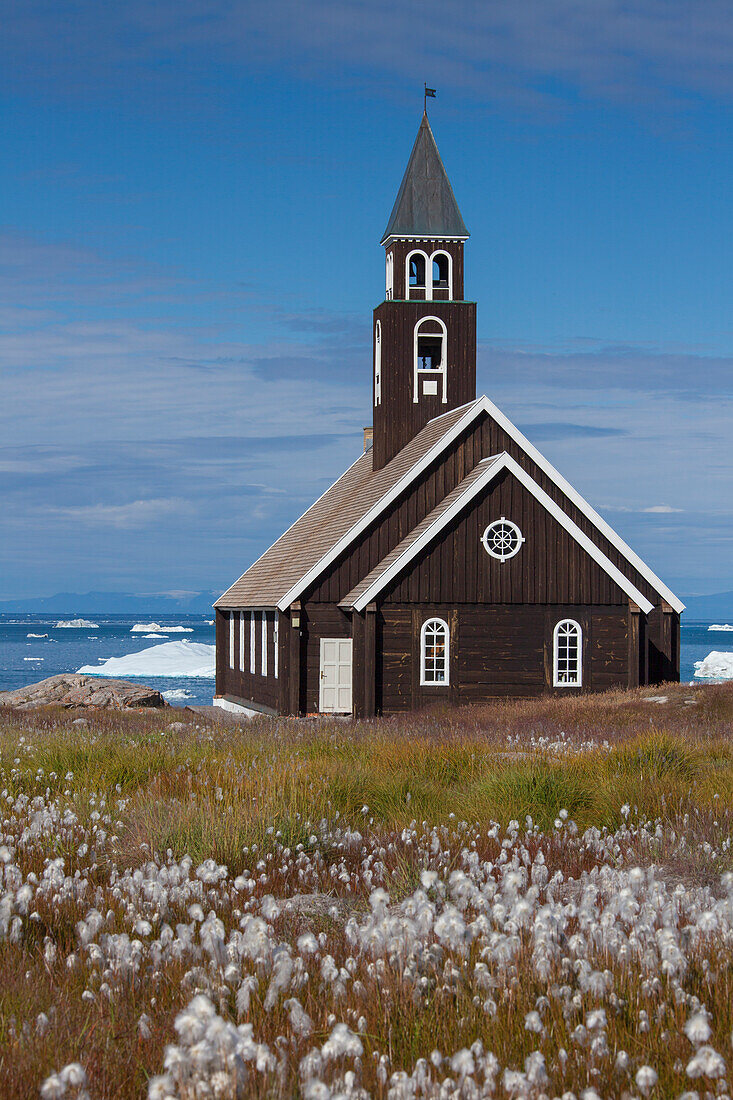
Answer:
(25, 660)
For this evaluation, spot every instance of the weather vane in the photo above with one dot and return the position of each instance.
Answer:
(428, 92)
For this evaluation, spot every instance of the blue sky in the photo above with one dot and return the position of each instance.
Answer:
(193, 195)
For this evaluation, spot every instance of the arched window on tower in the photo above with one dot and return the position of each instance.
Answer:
(378, 363)
(389, 277)
(417, 265)
(430, 374)
(441, 273)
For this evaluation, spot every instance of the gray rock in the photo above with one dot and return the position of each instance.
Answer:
(72, 690)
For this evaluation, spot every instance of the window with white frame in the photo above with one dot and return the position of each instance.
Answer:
(231, 639)
(264, 643)
(441, 270)
(241, 641)
(567, 644)
(434, 652)
(430, 372)
(378, 363)
(389, 276)
(416, 272)
(502, 539)
(252, 642)
(275, 640)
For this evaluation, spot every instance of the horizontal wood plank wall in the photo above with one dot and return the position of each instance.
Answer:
(267, 690)
(500, 651)
(318, 622)
(484, 439)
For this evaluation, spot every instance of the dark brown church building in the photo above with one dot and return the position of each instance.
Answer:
(451, 561)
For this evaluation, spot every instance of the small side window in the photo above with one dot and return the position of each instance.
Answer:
(378, 363)
(241, 641)
(567, 644)
(231, 639)
(264, 643)
(252, 642)
(434, 652)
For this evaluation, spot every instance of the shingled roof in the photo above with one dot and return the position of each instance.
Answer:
(425, 205)
(357, 494)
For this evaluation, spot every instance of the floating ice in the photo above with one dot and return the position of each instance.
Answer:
(154, 635)
(76, 624)
(181, 658)
(720, 626)
(33, 658)
(144, 628)
(177, 694)
(36, 635)
(716, 666)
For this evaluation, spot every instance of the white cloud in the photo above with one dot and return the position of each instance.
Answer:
(138, 513)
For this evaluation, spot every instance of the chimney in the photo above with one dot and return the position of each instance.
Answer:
(368, 438)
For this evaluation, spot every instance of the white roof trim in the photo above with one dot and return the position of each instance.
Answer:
(472, 410)
(572, 494)
(495, 466)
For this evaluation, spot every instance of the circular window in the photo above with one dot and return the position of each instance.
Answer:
(502, 539)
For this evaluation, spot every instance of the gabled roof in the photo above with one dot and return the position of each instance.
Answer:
(425, 205)
(315, 540)
(424, 533)
(334, 521)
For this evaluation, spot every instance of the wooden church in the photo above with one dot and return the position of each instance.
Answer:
(451, 561)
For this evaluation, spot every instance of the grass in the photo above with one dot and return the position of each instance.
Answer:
(273, 800)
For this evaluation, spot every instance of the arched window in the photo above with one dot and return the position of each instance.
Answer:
(389, 277)
(417, 266)
(378, 363)
(434, 652)
(442, 270)
(567, 645)
(431, 337)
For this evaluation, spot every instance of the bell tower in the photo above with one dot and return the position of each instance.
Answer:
(424, 330)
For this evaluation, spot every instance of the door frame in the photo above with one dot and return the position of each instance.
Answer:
(338, 641)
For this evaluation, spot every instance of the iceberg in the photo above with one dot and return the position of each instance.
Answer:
(145, 628)
(36, 635)
(33, 658)
(177, 694)
(715, 626)
(76, 624)
(171, 659)
(716, 666)
(154, 635)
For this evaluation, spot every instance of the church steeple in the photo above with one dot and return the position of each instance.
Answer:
(424, 331)
(425, 205)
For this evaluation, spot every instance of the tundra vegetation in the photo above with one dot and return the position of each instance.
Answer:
(528, 899)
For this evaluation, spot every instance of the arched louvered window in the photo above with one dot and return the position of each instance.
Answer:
(435, 652)
(389, 277)
(378, 363)
(430, 373)
(417, 270)
(567, 661)
(442, 270)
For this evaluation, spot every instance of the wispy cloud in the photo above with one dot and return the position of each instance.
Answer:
(137, 513)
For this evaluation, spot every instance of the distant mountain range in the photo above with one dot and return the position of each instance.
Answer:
(114, 603)
(715, 608)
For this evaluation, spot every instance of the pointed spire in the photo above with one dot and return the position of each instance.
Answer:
(425, 205)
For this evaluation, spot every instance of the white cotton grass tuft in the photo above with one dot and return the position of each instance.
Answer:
(646, 1078)
(706, 1063)
(697, 1029)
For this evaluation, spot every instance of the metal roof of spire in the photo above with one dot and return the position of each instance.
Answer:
(425, 205)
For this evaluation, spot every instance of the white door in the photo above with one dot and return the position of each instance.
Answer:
(335, 693)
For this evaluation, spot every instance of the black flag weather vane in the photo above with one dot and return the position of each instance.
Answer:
(428, 92)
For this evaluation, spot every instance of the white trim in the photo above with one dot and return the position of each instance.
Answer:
(495, 466)
(401, 237)
(234, 708)
(252, 644)
(578, 681)
(241, 641)
(426, 286)
(431, 374)
(389, 277)
(433, 287)
(276, 644)
(378, 363)
(490, 549)
(263, 655)
(423, 630)
(231, 639)
(392, 494)
(579, 502)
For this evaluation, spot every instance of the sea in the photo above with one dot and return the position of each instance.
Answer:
(25, 659)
